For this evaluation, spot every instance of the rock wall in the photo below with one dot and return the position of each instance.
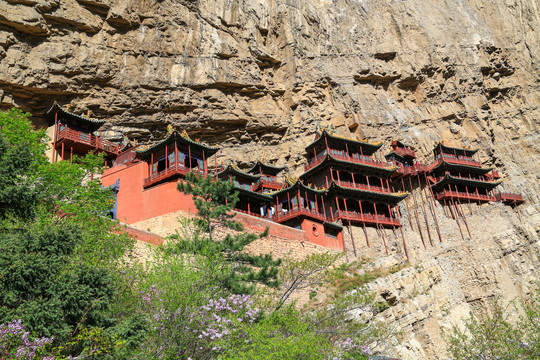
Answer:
(258, 76)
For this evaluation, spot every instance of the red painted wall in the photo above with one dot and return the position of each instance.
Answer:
(136, 203)
(315, 234)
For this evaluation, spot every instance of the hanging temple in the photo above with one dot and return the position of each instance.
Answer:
(342, 183)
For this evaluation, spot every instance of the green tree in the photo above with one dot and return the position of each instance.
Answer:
(493, 335)
(60, 258)
(213, 200)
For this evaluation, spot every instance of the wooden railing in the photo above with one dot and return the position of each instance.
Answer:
(461, 160)
(170, 171)
(509, 197)
(88, 139)
(410, 170)
(480, 178)
(360, 159)
(463, 195)
(298, 211)
(268, 182)
(366, 218)
(363, 187)
(404, 152)
(253, 214)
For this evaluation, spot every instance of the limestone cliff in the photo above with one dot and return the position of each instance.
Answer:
(258, 76)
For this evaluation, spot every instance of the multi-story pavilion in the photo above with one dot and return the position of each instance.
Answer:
(354, 179)
(404, 158)
(175, 156)
(250, 201)
(75, 134)
(268, 176)
(306, 208)
(457, 175)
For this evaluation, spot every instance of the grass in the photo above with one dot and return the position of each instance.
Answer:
(351, 276)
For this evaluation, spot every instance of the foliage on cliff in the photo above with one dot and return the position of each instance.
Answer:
(67, 291)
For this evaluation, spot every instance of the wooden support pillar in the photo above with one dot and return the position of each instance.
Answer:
(365, 233)
(460, 210)
(384, 238)
(215, 164)
(62, 150)
(432, 204)
(55, 136)
(416, 215)
(189, 155)
(407, 204)
(249, 207)
(338, 179)
(324, 207)
(326, 143)
(468, 200)
(175, 155)
(289, 201)
(205, 165)
(352, 240)
(457, 219)
(403, 238)
(424, 209)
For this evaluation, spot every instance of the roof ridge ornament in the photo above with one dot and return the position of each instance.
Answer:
(170, 129)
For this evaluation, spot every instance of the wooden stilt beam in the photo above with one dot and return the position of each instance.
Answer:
(384, 239)
(365, 233)
(457, 219)
(407, 204)
(460, 209)
(424, 210)
(352, 240)
(416, 215)
(403, 238)
(432, 205)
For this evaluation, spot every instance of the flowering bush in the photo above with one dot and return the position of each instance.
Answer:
(15, 341)
(349, 350)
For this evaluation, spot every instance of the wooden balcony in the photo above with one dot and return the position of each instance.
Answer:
(461, 160)
(296, 212)
(364, 187)
(366, 218)
(458, 195)
(509, 198)
(479, 178)
(86, 141)
(410, 170)
(253, 214)
(267, 184)
(170, 172)
(404, 152)
(364, 160)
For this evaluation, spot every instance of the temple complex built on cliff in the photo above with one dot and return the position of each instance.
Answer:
(343, 184)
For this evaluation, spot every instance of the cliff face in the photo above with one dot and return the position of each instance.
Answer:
(258, 76)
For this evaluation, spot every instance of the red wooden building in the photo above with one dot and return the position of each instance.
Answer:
(456, 175)
(359, 187)
(77, 135)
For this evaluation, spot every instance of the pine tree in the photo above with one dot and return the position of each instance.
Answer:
(214, 199)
